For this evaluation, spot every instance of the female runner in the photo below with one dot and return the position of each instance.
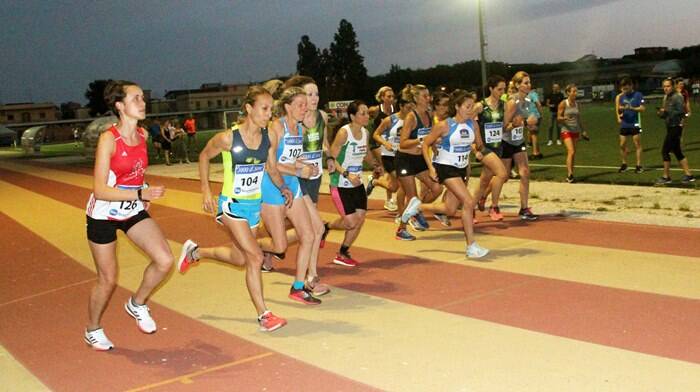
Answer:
(247, 153)
(119, 201)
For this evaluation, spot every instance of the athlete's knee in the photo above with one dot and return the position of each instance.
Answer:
(467, 204)
(524, 172)
(254, 258)
(107, 282)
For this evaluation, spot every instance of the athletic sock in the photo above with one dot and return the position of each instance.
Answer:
(298, 285)
(344, 250)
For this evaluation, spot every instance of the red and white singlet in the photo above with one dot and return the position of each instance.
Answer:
(126, 170)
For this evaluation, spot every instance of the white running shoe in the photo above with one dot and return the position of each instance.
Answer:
(390, 205)
(98, 340)
(411, 209)
(186, 256)
(474, 251)
(549, 143)
(142, 314)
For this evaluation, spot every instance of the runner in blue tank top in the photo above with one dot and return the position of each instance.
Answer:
(514, 150)
(287, 132)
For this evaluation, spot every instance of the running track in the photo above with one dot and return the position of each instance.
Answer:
(560, 305)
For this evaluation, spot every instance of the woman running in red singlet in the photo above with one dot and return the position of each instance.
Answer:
(119, 201)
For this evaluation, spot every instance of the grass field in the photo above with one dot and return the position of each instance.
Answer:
(597, 161)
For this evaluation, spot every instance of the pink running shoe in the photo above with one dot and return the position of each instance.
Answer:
(269, 322)
(495, 214)
(345, 260)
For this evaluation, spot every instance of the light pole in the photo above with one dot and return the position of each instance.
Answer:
(482, 45)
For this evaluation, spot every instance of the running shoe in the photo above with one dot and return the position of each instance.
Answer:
(316, 287)
(397, 220)
(558, 142)
(495, 214)
(187, 257)
(549, 143)
(326, 230)
(638, 169)
(687, 179)
(370, 185)
(663, 181)
(481, 204)
(303, 296)
(570, 179)
(98, 340)
(415, 224)
(622, 168)
(443, 219)
(390, 205)
(527, 215)
(411, 209)
(585, 137)
(142, 315)
(404, 235)
(474, 251)
(269, 322)
(345, 259)
(421, 219)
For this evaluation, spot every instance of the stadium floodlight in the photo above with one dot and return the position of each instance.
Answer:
(482, 46)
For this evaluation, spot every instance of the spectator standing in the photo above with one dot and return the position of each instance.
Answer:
(179, 143)
(190, 126)
(672, 111)
(629, 105)
(552, 101)
(156, 139)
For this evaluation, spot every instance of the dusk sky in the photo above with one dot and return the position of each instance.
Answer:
(52, 50)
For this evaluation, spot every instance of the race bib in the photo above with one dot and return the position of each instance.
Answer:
(356, 170)
(314, 158)
(125, 209)
(493, 132)
(247, 180)
(516, 134)
(395, 140)
(292, 149)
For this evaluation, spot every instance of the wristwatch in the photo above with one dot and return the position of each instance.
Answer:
(346, 174)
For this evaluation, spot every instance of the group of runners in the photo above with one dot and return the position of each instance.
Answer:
(274, 158)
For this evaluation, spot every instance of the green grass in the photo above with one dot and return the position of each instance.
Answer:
(602, 150)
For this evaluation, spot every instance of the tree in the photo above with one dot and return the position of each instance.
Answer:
(348, 72)
(95, 97)
(309, 62)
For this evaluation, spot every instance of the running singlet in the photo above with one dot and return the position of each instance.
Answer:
(571, 122)
(313, 145)
(351, 155)
(291, 147)
(381, 115)
(630, 118)
(516, 136)
(392, 135)
(421, 131)
(491, 124)
(244, 168)
(456, 145)
(126, 169)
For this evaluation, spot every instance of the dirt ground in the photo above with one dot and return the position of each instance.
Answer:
(620, 203)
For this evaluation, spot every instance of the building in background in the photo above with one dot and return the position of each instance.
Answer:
(28, 112)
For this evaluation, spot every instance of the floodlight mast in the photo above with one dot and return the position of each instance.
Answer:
(482, 45)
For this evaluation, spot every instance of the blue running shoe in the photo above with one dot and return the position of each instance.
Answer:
(404, 235)
(422, 221)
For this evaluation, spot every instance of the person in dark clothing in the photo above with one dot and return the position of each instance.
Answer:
(673, 112)
(552, 100)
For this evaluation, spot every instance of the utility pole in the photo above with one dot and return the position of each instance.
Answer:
(482, 45)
